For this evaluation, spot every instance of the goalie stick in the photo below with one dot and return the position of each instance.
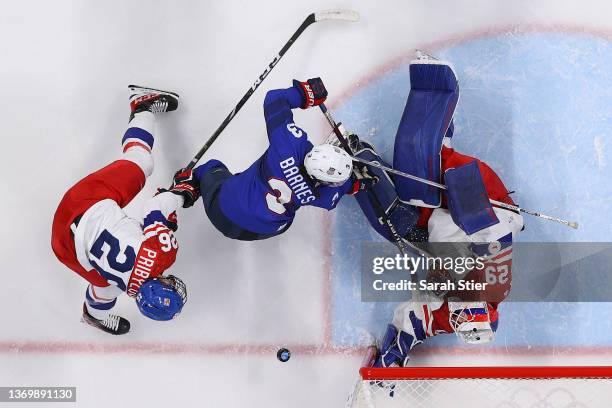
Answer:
(572, 224)
(327, 15)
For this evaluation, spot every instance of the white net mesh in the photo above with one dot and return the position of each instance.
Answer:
(484, 392)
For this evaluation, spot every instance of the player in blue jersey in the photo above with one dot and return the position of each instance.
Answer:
(261, 201)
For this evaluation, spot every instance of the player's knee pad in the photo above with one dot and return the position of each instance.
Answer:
(162, 298)
(142, 158)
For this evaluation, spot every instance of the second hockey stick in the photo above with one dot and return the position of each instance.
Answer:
(399, 242)
(329, 15)
(572, 224)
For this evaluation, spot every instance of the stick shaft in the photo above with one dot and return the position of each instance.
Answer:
(307, 22)
(496, 203)
(399, 242)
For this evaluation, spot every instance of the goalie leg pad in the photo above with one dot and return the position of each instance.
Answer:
(395, 348)
(391, 354)
(434, 92)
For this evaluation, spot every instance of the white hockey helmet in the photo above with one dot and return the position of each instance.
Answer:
(328, 164)
(473, 322)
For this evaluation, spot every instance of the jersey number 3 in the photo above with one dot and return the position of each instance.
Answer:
(280, 196)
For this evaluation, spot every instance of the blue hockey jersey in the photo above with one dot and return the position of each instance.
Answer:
(265, 197)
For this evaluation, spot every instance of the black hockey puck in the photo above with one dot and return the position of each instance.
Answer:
(283, 355)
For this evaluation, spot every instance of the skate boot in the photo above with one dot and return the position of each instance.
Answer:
(144, 99)
(113, 324)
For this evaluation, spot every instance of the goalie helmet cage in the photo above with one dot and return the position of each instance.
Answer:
(490, 387)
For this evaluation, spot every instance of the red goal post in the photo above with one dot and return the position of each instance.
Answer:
(508, 372)
(499, 387)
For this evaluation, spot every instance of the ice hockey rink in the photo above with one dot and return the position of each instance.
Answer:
(535, 104)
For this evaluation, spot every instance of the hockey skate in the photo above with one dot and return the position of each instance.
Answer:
(113, 324)
(422, 55)
(153, 100)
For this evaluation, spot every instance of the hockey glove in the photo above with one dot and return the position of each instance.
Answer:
(313, 92)
(172, 221)
(363, 180)
(184, 184)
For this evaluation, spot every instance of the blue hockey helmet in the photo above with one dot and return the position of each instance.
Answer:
(162, 298)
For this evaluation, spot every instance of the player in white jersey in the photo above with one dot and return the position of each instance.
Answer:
(93, 236)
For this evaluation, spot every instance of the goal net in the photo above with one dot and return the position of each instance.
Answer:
(490, 387)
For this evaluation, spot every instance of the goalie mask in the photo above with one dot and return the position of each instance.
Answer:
(162, 298)
(473, 322)
(328, 164)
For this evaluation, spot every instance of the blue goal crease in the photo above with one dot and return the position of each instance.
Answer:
(536, 108)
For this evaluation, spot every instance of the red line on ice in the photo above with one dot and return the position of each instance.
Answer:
(432, 46)
(62, 347)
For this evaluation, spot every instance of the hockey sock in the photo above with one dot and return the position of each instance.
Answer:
(138, 141)
(97, 305)
(140, 132)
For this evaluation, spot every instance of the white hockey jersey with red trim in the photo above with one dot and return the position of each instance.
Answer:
(122, 250)
(492, 244)
(430, 315)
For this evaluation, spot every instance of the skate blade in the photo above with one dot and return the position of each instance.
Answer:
(420, 54)
(146, 88)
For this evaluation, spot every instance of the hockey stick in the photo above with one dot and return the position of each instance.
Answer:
(572, 224)
(399, 242)
(328, 15)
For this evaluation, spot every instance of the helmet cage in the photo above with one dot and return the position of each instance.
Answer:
(472, 323)
(177, 284)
